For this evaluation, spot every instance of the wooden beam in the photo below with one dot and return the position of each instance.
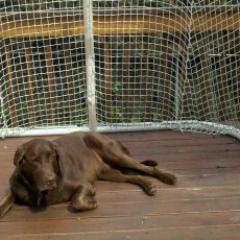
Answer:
(118, 25)
(41, 28)
(206, 22)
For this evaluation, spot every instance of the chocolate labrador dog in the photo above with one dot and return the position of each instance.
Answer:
(65, 170)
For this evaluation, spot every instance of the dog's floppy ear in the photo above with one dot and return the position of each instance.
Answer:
(19, 156)
(56, 149)
(58, 156)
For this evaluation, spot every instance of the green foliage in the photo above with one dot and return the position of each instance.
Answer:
(117, 114)
(116, 87)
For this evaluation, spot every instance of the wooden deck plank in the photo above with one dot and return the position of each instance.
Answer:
(146, 208)
(165, 194)
(160, 146)
(194, 233)
(83, 225)
(8, 146)
(205, 204)
(187, 181)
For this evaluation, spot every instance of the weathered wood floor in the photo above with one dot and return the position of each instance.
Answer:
(205, 204)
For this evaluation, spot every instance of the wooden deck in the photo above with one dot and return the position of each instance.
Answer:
(205, 204)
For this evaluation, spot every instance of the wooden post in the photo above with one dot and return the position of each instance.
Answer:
(9, 87)
(222, 89)
(108, 82)
(31, 104)
(51, 83)
(69, 79)
(148, 99)
(205, 102)
(230, 111)
(238, 85)
(127, 92)
(166, 107)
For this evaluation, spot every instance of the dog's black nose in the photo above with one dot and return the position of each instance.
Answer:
(51, 182)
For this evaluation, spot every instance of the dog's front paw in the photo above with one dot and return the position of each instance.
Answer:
(85, 200)
(84, 204)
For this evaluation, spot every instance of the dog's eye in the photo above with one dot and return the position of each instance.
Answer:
(33, 159)
(22, 162)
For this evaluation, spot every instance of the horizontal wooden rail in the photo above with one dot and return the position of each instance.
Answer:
(118, 25)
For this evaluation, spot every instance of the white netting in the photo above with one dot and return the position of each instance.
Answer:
(43, 80)
(155, 64)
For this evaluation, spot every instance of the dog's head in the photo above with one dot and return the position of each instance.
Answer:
(37, 162)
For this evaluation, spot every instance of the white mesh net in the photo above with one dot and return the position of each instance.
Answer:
(155, 64)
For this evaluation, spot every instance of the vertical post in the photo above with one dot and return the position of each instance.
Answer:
(69, 79)
(177, 89)
(10, 86)
(107, 81)
(31, 98)
(90, 62)
(51, 83)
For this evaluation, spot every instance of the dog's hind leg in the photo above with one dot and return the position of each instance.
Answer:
(117, 156)
(131, 163)
(113, 175)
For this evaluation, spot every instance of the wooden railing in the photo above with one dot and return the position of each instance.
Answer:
(70, 23)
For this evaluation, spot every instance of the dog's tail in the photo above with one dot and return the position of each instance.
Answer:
(150, 163)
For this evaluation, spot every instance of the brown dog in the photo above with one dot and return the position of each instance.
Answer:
(66, 169)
